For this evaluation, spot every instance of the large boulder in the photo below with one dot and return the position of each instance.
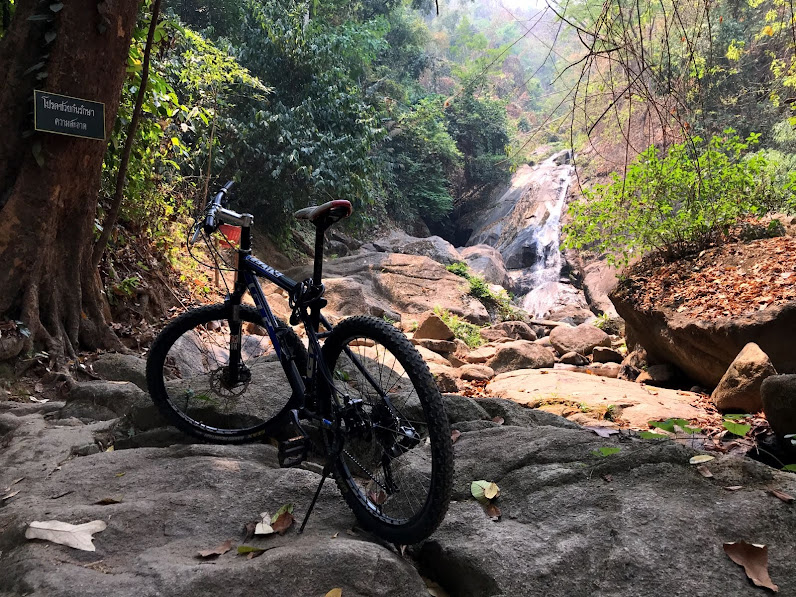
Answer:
(581, 339)
(433, 247)
(430, 326)
(778, 394)
(739, 388)
(121, 367)
(516, 330)
(390, 282)
(520, 354)
(487, 262)
(705, 349)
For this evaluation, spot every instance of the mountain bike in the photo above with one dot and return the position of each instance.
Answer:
(359, 392)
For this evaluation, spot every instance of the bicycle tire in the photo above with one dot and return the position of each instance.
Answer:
(432, 450)
(175, 368)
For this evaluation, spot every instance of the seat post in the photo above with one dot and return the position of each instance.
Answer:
(317, 272)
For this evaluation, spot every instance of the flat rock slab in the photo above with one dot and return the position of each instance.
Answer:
(639, 404)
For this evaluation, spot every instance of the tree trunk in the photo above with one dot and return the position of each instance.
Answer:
(47, 212)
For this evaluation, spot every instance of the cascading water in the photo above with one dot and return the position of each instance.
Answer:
(524, 225)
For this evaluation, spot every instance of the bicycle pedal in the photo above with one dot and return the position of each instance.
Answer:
(293, 452)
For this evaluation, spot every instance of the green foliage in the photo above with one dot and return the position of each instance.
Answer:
(605, 451)
(739, 429)
(675, 425)
(460, 268)
(469, 333)
(672, 203)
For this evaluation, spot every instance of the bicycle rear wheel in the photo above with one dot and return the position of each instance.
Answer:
(395, 468)
(188, 375)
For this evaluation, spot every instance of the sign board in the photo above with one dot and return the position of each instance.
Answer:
(64, 115)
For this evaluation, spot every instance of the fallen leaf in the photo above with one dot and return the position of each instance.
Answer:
(77, 536)
(602, 431)
(785, 497)
(250, 552)
(10, 495)
(733, 487)
(108, 501)
(498, 420)
(335, 535)
(484, 491)
(754, 559)
(283, 522)
(700, 459)
(455, 434)
(492, 511)
(218, 550)
(704, 471)
(263, 527)
(120, 474)
(335, 593)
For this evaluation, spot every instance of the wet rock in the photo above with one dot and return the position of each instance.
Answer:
(573, 358)
(520, 354)
(473, 372)
(739, 388)
(604, 354)
(581, 339)
(778, 393)
(121, 367)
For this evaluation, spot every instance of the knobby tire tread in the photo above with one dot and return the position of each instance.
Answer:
(429, 518)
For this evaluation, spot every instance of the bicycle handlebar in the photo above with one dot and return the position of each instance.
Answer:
(216, 214)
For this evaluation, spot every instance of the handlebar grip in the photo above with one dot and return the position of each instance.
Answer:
(210, 219)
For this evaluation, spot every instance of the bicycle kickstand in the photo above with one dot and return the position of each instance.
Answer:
(326, 470)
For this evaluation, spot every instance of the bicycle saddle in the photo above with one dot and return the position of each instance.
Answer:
(328, 213)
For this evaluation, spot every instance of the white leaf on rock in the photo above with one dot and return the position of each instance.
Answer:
(78, 536)
(264, 527)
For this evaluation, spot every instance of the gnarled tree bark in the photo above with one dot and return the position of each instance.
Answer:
(47, 211)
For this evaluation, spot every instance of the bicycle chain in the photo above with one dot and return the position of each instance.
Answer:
(367, 472)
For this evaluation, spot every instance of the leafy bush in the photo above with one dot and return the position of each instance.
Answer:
(468, 332)
(460, 268)
(672, 203)
(499, 300)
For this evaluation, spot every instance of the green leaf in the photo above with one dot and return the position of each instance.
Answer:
(650, 435)
(282, 510)
(483, 491)
(739, 429)
(56, 7)
(606, 451)
(667, 425)
(737, 417)
(244, 549)
(789, 467)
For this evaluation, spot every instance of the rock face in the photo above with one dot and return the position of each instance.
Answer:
(487, 262)
(517, 330)
(739, 388)
(581, 339)
(573, 522)
(434, 247)
(520, 354)
(406, 285)
(778, 394)
(121, 367)
(705, 349)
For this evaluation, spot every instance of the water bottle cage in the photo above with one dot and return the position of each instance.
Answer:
(305, 296)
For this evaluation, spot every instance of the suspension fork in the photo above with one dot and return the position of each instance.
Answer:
(236, 324)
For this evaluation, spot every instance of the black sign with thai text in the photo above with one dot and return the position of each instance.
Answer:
(66, 115)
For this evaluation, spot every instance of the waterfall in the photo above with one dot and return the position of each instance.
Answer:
(524, 225)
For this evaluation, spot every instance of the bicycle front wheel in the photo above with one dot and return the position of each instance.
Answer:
(190, 381)
(395, 465)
